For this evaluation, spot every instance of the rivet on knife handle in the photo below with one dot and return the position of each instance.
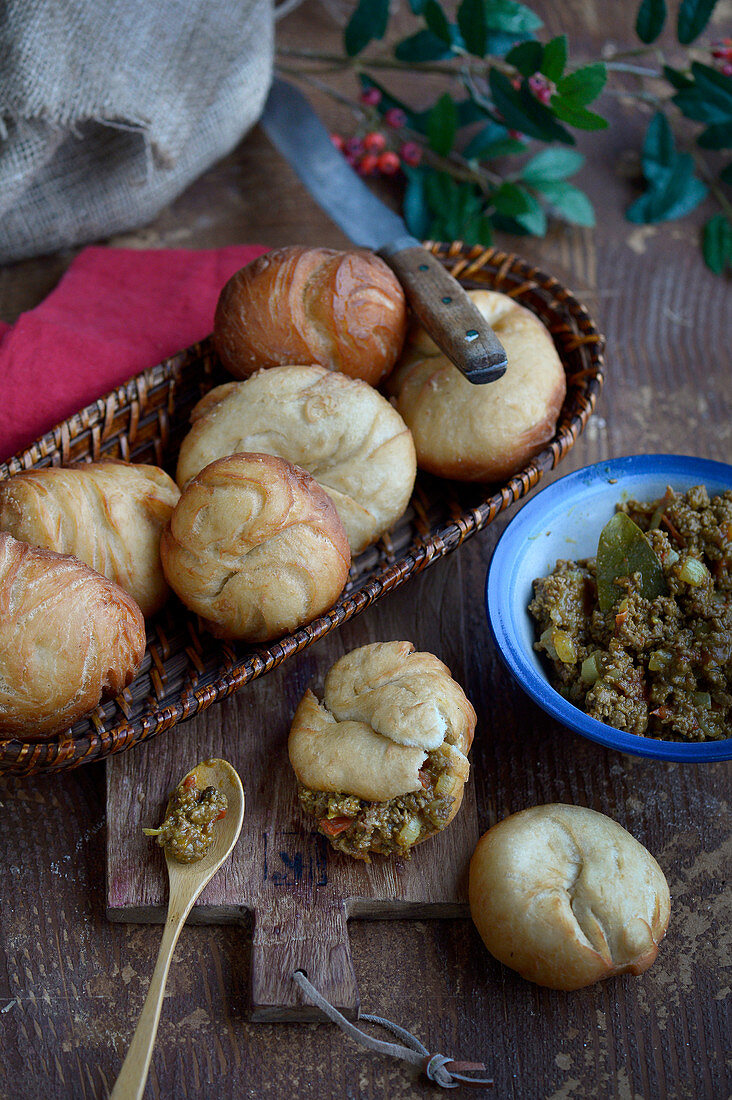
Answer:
(448, 315)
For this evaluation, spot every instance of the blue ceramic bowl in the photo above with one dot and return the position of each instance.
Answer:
(564, 521)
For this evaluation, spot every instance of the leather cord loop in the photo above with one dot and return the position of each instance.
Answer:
(434, 1066)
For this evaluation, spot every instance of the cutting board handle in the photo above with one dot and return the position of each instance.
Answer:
(289, 936)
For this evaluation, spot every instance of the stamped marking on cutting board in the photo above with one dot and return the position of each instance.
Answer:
(305, 861)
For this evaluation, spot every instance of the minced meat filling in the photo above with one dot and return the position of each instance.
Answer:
(661, 667)
(358, 827)
(188, 829)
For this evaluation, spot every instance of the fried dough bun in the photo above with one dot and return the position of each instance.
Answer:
(68, 637)
(343, 310)
(565, 896)
(255, 547)
(339, 429)
(481, 433)
(109, 514)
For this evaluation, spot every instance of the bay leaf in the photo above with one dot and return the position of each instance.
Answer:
(622, 550)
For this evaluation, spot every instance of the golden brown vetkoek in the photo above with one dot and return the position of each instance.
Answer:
(566, 896)
(109, 514)
(343, 310)
(481, 433)
(255, 547)
(339, 429)
(68, 638)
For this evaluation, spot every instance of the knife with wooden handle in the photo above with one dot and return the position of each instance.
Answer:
(437, 299)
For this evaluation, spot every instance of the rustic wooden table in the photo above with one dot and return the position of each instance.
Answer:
(72, 984)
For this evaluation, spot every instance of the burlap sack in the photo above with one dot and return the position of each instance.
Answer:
(109, 108)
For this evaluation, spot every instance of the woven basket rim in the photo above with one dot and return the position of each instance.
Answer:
(25, 757)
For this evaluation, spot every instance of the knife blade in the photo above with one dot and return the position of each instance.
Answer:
(439, 302)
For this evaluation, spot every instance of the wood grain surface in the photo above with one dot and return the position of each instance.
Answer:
(298, 891)
(72, 983)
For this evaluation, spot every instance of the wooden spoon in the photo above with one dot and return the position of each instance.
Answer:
(186, 881)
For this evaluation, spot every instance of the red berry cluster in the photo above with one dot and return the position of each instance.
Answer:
(375, 151)
(542, 88)
(722, 54)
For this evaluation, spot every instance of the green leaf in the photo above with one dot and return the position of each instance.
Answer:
(475, 229)
(442, 125)
(509, 225)
(472, 26)
(440, 189)
(468, 111)
(718, 136)
(492, 26)
(417, 6)
(414, 206)
(579, 117)
(469, 204)
(552, 164)
(522, 111)
(671, 195)
(437, 21)
(717, 243)
(368, 21)
(623, 550)
(696, 104)
(439, 192)
(676, 78)
(533, 220)
(567, 200)
(510, 199)
(583, 85)
(498, 44)
(726, 174)
(713, 80)
(693, 18)
(659, 150)
(422, 46)
(674, 189)
(709, 98)
(491, 140)
(488, 150)
(479, 231)
(515, 202)
(526, 57)
(554, 58)
(650, 19)
(456, 209)
(510, 17)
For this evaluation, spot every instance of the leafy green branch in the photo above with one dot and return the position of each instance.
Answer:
(469, 157)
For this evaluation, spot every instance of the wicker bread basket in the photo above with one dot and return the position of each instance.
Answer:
(186, 669)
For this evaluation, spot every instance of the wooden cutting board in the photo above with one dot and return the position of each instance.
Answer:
(298, 889)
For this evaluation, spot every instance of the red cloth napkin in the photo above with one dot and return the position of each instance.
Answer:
(115, 312)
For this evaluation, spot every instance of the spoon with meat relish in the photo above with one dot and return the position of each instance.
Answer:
(202, 824)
